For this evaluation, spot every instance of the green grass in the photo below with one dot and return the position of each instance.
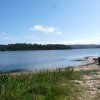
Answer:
(43, 85)
(88, 72)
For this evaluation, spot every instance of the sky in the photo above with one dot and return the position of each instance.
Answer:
(50, 21)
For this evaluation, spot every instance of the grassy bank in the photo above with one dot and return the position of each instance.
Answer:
(43, 85)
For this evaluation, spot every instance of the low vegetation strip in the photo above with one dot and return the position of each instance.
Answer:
(24, 46)
(43, 85)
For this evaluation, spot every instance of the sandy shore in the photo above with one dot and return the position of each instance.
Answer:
(91, 64)
(90, 81)
(87, 67)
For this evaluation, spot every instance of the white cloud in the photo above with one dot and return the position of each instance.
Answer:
(46, 29)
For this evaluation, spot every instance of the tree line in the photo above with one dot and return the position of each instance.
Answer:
(24, 46)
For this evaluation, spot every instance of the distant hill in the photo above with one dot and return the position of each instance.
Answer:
(85, 46)
(24, 46)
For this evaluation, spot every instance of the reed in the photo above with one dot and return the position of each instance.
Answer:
(43, 85)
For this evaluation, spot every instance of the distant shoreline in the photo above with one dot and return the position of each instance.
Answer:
(26, 47)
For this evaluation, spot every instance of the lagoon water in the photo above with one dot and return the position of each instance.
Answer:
(43, 59)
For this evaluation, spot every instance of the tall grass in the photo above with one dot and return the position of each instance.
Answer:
(43, 85)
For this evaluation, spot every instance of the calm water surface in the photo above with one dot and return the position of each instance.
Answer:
(34, 60)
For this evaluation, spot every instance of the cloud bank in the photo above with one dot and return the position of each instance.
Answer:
(46, 29)
(91, 40)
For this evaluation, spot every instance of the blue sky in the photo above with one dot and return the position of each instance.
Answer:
(50, 21)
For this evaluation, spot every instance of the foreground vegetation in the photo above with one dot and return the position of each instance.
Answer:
(43, 85)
